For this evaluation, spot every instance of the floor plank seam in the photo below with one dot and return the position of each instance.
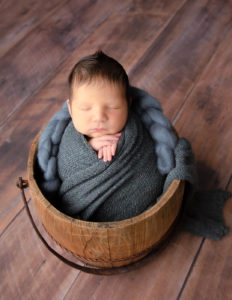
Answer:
(34, 27)
(39, 267)
(229, 182)
(162, 29)
(71, 285)
(190, 270)
(12, 220)
(203, 71)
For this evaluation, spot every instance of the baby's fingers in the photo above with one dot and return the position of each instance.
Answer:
(105, 154)
(109, 154)
(100, 153)
(113, 149)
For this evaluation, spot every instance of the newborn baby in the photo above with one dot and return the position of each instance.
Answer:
(106, 160)
(99, 110)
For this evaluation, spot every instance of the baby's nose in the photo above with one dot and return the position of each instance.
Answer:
(99, 115)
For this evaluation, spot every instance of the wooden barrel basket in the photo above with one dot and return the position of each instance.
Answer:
(107, 244)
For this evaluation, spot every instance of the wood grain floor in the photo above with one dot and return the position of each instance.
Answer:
(177, 50)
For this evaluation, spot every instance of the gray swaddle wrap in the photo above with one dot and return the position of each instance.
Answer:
(122, 188)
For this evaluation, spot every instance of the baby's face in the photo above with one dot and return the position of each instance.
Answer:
(98, 108)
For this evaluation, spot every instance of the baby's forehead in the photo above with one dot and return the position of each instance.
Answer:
(101, 87)
(97, 82)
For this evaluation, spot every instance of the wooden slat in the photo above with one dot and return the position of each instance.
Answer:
(20, 132)
(210, 106)
(174, 62)
(18, 18)
(25, 67)
(28, 270)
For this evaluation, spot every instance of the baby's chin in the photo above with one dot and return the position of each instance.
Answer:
(94, 133)
(98, 133)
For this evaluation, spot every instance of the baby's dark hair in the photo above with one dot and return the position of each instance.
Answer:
(99, 65)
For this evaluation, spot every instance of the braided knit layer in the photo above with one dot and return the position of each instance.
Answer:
(159, 127)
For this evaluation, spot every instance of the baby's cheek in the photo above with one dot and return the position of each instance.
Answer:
(120, 122)
(79, 127)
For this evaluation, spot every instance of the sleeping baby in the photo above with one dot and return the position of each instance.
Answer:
(110, 153)
(106, 160)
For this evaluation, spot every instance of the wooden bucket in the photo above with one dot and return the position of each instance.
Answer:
(107, 244)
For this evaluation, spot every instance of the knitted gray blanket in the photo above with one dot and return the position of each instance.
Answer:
(122, 188)
(174, 158)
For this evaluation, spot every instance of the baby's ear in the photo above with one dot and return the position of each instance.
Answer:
(69, 107)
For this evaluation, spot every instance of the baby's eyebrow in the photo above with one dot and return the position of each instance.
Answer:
(84, 106)
(84, 103)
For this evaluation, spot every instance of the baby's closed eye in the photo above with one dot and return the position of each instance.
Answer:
(84, 108)
(114, 107)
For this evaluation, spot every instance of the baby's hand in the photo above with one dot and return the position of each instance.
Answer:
(105, 145)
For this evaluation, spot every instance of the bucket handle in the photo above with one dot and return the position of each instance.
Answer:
(22, 184)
